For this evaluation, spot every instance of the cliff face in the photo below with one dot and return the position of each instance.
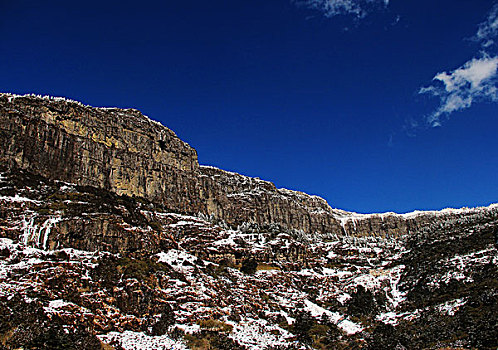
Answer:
(241, 199)
(124, 152)
(113, 149)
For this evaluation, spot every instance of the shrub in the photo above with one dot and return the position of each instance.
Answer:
(249, 266)
(215, 325)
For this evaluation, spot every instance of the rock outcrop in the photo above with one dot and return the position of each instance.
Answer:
(241, 199)
(124, 152)
(113, 149)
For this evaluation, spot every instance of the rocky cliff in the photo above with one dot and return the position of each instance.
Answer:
(112, 236)
(114, 149)
(124, 152)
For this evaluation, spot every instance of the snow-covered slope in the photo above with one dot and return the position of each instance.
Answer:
(82, 268)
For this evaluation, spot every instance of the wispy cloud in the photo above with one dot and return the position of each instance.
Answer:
(488, 30)
(475, 81)
(331, 8)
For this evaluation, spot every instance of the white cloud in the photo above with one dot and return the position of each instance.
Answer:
(488, 29)
(475, 81)
(332, 8)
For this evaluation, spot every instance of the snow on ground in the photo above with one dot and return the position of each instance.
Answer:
(368, 281)
(258, 334)
(346, 325)
(6, 243)
(450, 307)
(396, 297)
(18, 199)
(336, 272)
(60, 306)
(28, 258)
(188, 328)
(183, 223)
(393, 317)
(481, 257)
(329, 271)
(139, 341)
(181, 261)
(459, 266)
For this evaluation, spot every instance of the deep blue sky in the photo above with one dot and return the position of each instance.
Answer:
(270, 89)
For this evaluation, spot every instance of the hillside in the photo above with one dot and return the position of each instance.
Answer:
(113, 236)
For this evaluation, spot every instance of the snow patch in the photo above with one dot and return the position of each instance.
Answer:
(393, 318)
(258, 334)
(139, 341)
(450, 307)
(181, 261)
(18, 199)
(341, 321)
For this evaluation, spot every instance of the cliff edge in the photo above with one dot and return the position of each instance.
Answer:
(125, 152)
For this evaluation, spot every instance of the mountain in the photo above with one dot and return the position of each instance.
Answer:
(113, 236)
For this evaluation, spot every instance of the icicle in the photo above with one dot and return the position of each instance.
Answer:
(38, 235)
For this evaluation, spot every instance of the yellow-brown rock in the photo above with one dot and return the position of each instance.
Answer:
(125, 152)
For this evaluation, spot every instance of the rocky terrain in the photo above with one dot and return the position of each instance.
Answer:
(112, 236)
(126, 153)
